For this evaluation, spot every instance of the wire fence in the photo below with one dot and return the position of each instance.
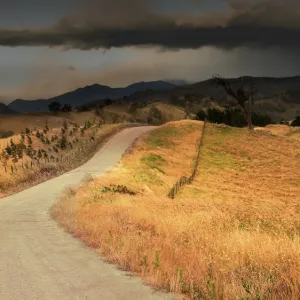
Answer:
(183, 180)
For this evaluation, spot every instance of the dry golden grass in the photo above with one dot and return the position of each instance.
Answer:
(17, 123)
(123, 112)
(170, 112)
(232, 234)
(281, 130)
(53, 161)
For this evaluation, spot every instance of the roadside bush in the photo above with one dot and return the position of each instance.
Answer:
(63, 143)
(122, 189)
(155, 116)
(296, 122)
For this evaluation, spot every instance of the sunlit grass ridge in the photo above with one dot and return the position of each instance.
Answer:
(232, 234)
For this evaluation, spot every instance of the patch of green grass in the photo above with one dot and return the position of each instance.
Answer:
(219, 160)
(166, 131)
(159, 137)
(149, 178)
(155, 142)
(158, 169)
(214, 153)
(154, 161)
(192, 127)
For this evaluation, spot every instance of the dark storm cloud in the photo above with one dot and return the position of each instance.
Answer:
(119, 23)
(171, 37)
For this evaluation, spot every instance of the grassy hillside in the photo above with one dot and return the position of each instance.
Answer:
(278, 98)
(37, 155)
(232, 234)
(84, 95)
(281, 130)
(169, 112)
(19, 122)
(155, 113)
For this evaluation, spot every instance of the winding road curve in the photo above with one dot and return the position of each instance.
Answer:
(39, 261)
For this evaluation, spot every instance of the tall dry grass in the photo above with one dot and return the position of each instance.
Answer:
(26, 172)
(18, 122)
(232, 234)
(281, 130)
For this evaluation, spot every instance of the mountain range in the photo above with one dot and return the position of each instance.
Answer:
(278, 97)
(5, 110)
(87, 94)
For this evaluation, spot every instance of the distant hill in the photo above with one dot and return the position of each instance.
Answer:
(87, 94)
(152, 85)
(266, 86)
(4, 110)
(286, 89)
(277, 97)
(179, 82)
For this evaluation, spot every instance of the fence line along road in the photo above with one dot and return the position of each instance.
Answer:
(183, 180)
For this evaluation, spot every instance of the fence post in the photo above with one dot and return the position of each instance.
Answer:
(184, 180)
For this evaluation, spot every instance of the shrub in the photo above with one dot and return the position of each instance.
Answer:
(296, 122)
(155, 116)
(122, 189)
(232, 117)
(54, 106)
(63, 143)
(65, 125)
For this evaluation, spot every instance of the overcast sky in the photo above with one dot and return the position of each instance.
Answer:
(51, 47)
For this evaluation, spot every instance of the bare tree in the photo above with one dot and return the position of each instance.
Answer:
(243, 96)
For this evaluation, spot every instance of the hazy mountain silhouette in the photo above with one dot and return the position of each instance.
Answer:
(4, 110)
(87, 94)
(287, 90)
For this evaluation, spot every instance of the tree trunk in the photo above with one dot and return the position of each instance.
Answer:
(248, 115)
(250, 124)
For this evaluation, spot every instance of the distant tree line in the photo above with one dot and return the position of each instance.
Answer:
(57, 107)
(232, 117)
(98, 105)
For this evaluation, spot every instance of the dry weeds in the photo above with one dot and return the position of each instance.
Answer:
(232, 234)
(18, 122)
(281, 130)
(53, 161)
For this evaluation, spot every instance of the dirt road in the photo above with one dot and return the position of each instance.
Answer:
(39, 261)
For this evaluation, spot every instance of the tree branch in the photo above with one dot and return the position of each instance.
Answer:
(217, 79)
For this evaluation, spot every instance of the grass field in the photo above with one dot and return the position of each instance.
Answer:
(19, 122)
(281, 130)
(234, 233)
(37, 155)
(168, 112)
